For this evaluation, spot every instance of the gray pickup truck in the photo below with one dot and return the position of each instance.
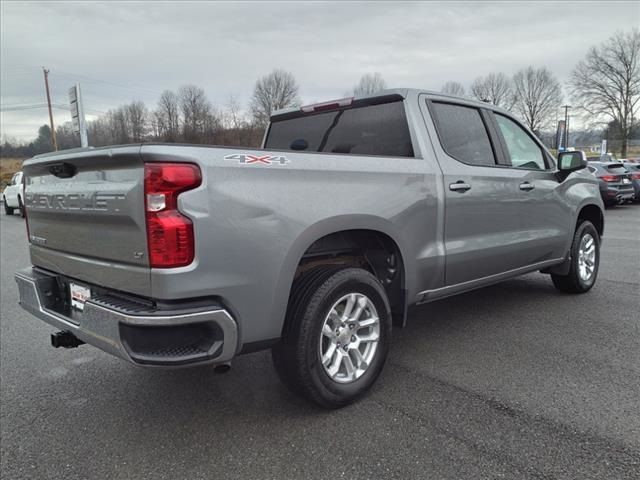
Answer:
(314, 246)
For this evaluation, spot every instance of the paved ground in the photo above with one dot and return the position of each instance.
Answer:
(512, 381)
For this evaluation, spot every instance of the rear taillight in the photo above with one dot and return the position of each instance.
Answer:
(609, 178)
(635, 176)
(169, 233)
(24, 208)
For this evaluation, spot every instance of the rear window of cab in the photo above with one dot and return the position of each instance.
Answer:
(380, 130)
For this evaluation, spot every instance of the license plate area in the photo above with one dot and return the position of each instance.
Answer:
(78, 295)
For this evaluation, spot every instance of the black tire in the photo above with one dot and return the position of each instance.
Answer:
(572, 282)
(297, 357)
(7, 209)
(21, 207)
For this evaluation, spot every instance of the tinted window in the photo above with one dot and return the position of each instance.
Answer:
(524, 152)
(463, 134)
(616, 168)
(370, 130)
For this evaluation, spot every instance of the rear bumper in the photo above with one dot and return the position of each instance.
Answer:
(614, 194)
(150, 337)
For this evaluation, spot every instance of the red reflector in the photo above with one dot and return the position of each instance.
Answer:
(24, 208)
(609, 178)
(169, 233)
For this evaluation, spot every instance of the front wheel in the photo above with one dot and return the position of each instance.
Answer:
(338, 335)
(585, 261)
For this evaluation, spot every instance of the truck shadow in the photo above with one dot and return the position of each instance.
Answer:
(203, 417)
(253, 388)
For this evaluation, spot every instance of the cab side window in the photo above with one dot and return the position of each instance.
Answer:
(523, 150)
(463, 134)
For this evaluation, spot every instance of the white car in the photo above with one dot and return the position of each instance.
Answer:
(13, 194)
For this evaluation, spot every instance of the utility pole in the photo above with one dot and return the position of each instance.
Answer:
(566, 125)
(53, 130)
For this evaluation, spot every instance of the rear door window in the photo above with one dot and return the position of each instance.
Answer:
(369, 130)
(463, 134)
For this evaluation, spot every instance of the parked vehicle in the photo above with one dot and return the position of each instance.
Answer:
(13, 194)
(634, 171)
(615, 182)
(172, 255)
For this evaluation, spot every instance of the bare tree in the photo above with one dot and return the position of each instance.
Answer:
(537, 96)
(369, 83)
(494, 88)
(118, 129)
(137, 116)
(606, 84)
(196, 110)
(453, 88)
(232, 116)
(273, 92)
(167, 116)
(99, 132)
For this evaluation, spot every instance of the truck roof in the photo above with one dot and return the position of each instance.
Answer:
(390, 92)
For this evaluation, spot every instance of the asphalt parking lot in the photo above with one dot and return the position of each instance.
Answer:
(512, 381)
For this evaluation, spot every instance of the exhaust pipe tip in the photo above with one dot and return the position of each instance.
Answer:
(222, 367)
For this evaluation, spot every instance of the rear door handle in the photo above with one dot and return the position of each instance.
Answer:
(459, 186)
(526, 186)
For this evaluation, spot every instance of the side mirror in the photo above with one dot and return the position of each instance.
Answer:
(571, 161)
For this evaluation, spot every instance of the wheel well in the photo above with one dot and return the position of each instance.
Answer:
(593, 214)
(369, 249)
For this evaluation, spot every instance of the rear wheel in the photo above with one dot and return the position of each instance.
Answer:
(338, 335)
(7, 209)
(585, 260)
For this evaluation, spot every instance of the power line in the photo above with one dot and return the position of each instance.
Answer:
(94, 80)
(24, 107)
(6, 70)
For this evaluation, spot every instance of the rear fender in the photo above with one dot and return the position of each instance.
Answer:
(321, 229)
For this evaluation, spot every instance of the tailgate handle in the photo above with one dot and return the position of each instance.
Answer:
(62, 170)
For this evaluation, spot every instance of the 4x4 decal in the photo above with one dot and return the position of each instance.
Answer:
(246, 159)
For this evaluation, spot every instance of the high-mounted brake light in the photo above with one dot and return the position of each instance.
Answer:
(609, 178)
(169, 233)
(319, 107)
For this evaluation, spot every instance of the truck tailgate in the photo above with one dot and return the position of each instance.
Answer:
(85, 214)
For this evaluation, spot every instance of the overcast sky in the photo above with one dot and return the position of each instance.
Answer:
(133, 50)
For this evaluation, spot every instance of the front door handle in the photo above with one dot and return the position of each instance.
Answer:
(526, 186)
(459, 186)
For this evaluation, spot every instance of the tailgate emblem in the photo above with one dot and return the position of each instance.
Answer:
(246, 159)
